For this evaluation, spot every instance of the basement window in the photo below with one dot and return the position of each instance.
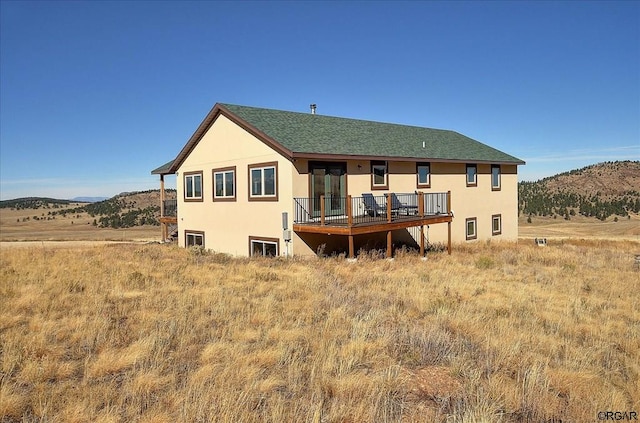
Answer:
(496, 224)
(267, 247)
(471, 230)
(193, 239)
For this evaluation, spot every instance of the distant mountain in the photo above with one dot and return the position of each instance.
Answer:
(33, 203)
(88, 199)
(600, 190)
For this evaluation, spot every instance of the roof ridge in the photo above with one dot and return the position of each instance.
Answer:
(337, 117)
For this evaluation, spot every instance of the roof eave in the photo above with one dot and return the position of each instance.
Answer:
(165, 169)
(329, 156)
(217, 110)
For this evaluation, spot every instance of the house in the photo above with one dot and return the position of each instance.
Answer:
(254, 181)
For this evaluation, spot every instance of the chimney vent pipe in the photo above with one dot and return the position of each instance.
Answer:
(313, 109)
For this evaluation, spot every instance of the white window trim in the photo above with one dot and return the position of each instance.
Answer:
(224, 172)
(264, 242)
(262, 167)
(423, 184)
(474, 235)
(498, 218)
(382, 164)
(189, 181)
(499, 186)
(473, 183)
(194, 234)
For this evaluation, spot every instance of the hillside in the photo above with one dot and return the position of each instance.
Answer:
(124, 210)
(600, 190)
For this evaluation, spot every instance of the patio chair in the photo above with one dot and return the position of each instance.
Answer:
(400, 207)
(371, 206)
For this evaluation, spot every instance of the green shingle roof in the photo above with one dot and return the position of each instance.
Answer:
(163, 170)
(318, 134)
(304, 134)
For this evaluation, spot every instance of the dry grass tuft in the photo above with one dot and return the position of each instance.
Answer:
(495, 332)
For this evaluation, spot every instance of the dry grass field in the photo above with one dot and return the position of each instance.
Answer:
(78, 227)
(155, 333)
(580, 227)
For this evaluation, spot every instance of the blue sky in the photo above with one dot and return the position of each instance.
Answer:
(93, 95)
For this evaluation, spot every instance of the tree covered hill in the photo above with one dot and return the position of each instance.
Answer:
(600, 190)
(124, 210)
(34, 203)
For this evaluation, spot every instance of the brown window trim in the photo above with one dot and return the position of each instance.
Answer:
(466, 175)
(418, 184)
(184, 180)
(262, 197)
(188, 232)
(498, 232)
(475, 225)
(264, 239)
(386, 175)
(235, 183)
(499, 187)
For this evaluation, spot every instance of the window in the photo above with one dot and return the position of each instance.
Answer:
(495, 177)
(193, 186)
(472, 175)
(267, 247)
(423, 170)
(471, 228)
(224, 184)
(379, 175)
(263, 182)
(496, 224)
(193, 238)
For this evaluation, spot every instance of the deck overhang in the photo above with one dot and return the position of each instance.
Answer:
(372, 227)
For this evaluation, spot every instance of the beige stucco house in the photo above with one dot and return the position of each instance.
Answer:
(254, 181)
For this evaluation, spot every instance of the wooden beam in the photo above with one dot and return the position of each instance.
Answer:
(164, 230)
(388, 207)
(349, 214)
(322, 210)
(449, 237)
(369, 228)
(351, 249)
(421, 240)
(389, 244)
(421, 204)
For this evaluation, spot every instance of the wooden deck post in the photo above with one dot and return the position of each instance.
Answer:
(351, 252)
(388, 207)
(163, 226)
(422, 240)
(449, 223)
(389, 243)
(322, 210)
(349, 214)
(421, 203)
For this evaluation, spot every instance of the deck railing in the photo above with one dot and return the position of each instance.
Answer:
(170, 208)
(368, 208)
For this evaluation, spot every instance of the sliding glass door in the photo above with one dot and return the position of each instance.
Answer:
(328, 179)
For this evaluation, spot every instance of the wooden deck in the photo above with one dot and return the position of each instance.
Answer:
(412, 212)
